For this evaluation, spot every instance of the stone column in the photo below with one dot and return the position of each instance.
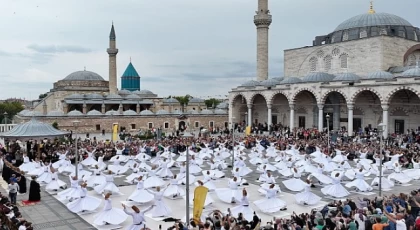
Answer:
(249, 114)
(320, 117)
(269, 121)
(138, 108)
(350, 120)
(65, 108)
(44, 108)
(385, 108)
(84, 110)
(121, 109)
(292, 117)
(103, 108)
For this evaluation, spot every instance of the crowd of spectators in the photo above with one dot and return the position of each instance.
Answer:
(10, 217)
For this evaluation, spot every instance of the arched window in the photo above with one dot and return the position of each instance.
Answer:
(344, 60)
(313, 64)
(363, 33)
(327, 63)
(336, 51)
(412, 60)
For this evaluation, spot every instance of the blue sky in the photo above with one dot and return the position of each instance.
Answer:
(197, 47)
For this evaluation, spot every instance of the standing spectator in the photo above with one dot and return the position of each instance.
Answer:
(13, 189)
(398, 220)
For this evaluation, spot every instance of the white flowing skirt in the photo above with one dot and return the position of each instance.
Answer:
(87, 203)
(270, 205)
(71, 192)
(359, 184)
(294, 184)
(114, 216)
(141, 196)
(228, 195)
(108, 186)
(335, 190)
(165, 173)
(246, 211)
(95, 180)
(26, 167)
(89, 161)
(307, 197)
(46, 178)
(174, 192)
(413, 173)
(161, 209)
(207, 202)
(400, 177)
(55, 185)
(386, 184)
(322, 178)
(153, 181)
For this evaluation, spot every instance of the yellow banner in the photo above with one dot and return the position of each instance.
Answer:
(248, 130)
(200, 194)
(114, 132)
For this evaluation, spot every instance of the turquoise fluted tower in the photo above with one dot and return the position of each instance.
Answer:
(130, 80)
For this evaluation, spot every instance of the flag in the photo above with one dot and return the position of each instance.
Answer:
(114, 132)
(200, 194)
(248, 130)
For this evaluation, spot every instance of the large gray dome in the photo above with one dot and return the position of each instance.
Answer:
(379, 75)
(290, 80)
(415, 72)
(375, 19)
(83, 76)
(347, 77)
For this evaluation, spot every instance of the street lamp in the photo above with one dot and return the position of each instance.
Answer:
(328, 132)
(76, 161)
(187, 181)
(381, 129)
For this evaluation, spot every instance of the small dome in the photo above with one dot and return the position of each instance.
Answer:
(177, 112)
(376, 19)
(171, 101)
(290, 80)
(162, 112)
(76, 96)
(196, 100)
(83, 76)
(113, 97)
(132, 97)
(144, 91)
(206, 112)
(24, 112)
(222, 105)
(379, 75)
(146, 113)
(251, 83)
(34, 114)
(124, 92)
(74, 113)
(278, 78)
(94, 96)
(129, 113)
(220, 111)
(112, 113)
(55, 113)
(270, 82)
(415, 72)
(192, 111)
(94, 113)
(318, 77)
(347, 77)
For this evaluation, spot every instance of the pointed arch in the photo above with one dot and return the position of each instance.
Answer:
(325, 95)
(397, 109)
(305, 89)
(391, 94)
(250, 99)
(234, 96)
(275, 93)
(354, 96)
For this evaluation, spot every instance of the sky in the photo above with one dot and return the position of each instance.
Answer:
(199, 47)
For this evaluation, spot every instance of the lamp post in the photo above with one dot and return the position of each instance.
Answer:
(76, 161)
(5, 121)
(187, 182)
(328, 132)
(233, 142)
(381, 127)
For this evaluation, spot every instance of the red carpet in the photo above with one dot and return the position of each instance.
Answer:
(29, 203)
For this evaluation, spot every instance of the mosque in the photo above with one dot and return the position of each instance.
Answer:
(364, 73)
(98, 104)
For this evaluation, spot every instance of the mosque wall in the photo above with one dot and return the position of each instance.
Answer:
(134, 123)
(361, 56)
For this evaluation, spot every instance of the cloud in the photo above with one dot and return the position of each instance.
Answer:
(51, 49)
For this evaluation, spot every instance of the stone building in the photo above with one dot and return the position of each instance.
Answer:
(362, 74)
(97, 103)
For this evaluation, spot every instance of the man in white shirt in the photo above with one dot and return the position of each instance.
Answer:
(13, 189)
(398, 220)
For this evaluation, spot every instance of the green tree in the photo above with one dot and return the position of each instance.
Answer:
(55, 125)
(183, 100)
(212, 102)
(41, 96)
(8, 110)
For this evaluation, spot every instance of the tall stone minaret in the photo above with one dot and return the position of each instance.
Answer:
(112, 52)
(262, 20)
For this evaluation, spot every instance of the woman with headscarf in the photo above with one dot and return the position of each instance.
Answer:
(360, 218)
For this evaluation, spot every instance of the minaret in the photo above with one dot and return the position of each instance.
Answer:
(112, 52)
(262, 20)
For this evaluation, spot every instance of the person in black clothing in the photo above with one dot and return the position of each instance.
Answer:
(34, 190)
(21, 180)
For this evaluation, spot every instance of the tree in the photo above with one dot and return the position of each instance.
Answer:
(212, 102)
(41, 96)
(55, 125)
(183, 100)
(11, 108)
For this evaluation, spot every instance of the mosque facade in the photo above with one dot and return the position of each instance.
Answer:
(364, 73)
(97, 104)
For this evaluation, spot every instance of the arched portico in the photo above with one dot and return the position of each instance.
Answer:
(257, 110)
(404, 108)
(335, 105)
(238, 108)
(279, 108)
(308, 101)
(375, 111)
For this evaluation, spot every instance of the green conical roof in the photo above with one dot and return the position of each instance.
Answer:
(130, 71)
